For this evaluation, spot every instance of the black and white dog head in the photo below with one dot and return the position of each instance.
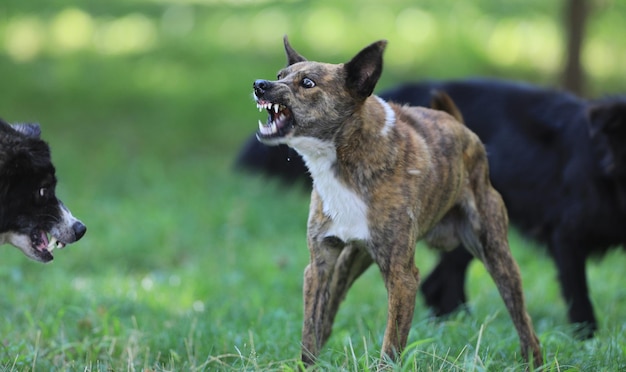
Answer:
(31, 217)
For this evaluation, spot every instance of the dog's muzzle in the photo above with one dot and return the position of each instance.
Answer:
(280, 119)
(260, 87)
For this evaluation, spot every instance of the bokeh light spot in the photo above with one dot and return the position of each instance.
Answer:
(133, 33)
(24, 38)
(415, 26)
(274, 24)
(324, 29)
(72, 29)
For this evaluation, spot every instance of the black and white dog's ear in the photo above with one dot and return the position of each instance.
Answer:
(29, 129)
(292, 55)
(364, 70)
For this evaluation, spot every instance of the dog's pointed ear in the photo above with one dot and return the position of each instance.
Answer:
(292, 55)
(364, 70)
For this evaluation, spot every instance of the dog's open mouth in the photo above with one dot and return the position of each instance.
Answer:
(49, 243)
(44, 245)
(279, 120)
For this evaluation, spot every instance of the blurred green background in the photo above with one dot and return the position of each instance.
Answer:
(171, 79)
(145, 104)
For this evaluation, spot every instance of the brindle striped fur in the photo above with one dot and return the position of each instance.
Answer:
(425, 177)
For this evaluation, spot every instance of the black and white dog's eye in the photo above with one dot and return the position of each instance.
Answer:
(307, 83)
(42, 192)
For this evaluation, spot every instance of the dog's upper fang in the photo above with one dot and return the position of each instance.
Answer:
(54, 243)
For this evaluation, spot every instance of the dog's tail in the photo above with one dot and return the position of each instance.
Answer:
(441, 101)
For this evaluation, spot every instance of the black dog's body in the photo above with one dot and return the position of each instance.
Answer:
(559, 163)
(31, 217)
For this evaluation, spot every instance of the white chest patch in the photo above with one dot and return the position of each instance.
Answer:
(344, 206)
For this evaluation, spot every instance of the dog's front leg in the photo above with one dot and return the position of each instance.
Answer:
(331, 272)
(401, 277)
(316, 292)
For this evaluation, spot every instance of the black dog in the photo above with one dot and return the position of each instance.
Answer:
(559, 162)
(31, 217)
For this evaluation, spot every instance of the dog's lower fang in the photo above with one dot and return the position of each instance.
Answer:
(268, 129)
(278, 120)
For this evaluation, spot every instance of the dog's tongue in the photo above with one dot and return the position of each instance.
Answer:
(44, 241)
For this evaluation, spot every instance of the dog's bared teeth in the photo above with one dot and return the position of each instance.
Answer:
(265, 129)
(276, 117)
(52, 243)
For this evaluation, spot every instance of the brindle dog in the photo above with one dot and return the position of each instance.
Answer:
(384, 177)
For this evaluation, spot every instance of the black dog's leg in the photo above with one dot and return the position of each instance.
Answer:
(570, 261)
(444, 288)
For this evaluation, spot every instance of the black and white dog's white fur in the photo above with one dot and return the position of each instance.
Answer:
(31, 217)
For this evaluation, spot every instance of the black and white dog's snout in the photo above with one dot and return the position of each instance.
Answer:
(69, 229)
(79, 230)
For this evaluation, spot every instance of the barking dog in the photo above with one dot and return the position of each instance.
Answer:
(31, 217)
(384, 177)
(570, 154)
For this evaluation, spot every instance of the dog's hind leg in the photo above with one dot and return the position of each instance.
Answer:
(570, 262)
(333, 269)
(493, 250)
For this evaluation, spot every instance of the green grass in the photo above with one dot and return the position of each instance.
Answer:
(188, 265)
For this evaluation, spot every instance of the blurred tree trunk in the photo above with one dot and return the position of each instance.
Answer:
(575, 12)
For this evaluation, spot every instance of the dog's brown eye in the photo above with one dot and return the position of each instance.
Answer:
(307, 83)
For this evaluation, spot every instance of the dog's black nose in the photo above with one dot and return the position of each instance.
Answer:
(260, 86)
(79, 229)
